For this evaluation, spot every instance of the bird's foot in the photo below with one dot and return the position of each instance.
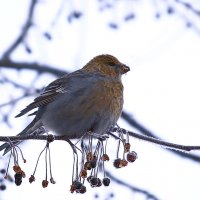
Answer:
(99, 136)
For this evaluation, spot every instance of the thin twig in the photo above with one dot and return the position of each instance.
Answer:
(131, 187)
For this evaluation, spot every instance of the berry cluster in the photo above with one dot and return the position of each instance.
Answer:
(93, 158)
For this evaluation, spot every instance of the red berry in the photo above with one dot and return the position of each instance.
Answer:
(131, 156)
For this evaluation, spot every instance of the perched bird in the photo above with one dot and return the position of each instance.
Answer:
(89, 99)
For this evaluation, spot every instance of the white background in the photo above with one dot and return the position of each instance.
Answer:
(161, 91)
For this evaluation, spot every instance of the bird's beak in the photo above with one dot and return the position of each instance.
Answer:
(125, 69)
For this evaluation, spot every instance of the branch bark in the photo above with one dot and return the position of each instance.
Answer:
(133, 134)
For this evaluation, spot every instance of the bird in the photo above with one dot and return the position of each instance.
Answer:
(87, 100)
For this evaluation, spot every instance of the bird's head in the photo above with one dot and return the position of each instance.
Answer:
(107, 65)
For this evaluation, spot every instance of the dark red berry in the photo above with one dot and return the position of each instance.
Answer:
(87, 166)
(94, 181)
(31, 179)
(82, 189)
(116, 163)
(89, 178)
(127, 147)
(106, 181)
(18, 179)
(45, 183)
(131, 156)
(105, 157)
(77, 184)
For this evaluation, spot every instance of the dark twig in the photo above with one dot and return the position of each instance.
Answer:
(188, 6)
(142, 137)
(159, 142)
(8, 64)
(148, 133)
(131, 187)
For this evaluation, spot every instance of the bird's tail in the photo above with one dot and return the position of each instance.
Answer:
(35, 127)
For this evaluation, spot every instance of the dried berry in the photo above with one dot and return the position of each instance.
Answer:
(105, 157)
(83, 173)
(116, 163)
(31, 179)
(82, 189)
(72, 188)
(89, 178)
(17, 168)
(87, 166)
(77, 184)
(93, 164)
(18, 179)
(89, 156)
(127, 147)
(131, 156)
(106, 181)
(93, 181)
(123, 163)
(45, 183)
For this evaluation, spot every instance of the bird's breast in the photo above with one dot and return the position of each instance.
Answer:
(109, 98)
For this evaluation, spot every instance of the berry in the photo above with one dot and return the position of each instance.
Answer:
(82, 189)
(89, 178)
(116, 163)
(45, 183)
(106, 181)
(105, 157)
(77, 185)
(94, 181)
(93, 163)
(18, 179)
(131, 156)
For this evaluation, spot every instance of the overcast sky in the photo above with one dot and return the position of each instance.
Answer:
(161, 91)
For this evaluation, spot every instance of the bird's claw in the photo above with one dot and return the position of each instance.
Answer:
(99, 136)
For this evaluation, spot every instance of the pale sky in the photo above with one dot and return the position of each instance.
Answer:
(161, 91)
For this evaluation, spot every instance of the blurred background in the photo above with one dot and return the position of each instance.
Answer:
(40, 40)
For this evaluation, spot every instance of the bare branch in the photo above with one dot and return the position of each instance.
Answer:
(131, 187)
(189, 6)
(159, 142)
(148, 133)
(136, 135)
(4, 63)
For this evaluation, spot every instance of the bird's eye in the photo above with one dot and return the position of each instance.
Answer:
(111, 64)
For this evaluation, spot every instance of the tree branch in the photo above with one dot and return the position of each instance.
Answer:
(8, 64)
(148, 133)
(135, 135)
(133, 188)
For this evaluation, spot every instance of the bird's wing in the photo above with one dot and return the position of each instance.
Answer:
(51, 92)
